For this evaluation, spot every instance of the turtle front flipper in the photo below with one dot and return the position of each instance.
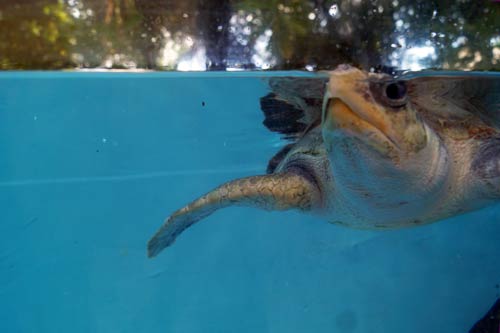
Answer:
(281, 191)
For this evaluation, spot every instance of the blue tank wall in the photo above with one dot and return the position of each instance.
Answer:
(92, 163)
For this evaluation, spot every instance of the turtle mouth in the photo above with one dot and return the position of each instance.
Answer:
(338, 116)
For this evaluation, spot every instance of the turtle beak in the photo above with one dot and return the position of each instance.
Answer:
(349, 108)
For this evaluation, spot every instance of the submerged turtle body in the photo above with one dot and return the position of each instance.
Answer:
(370, 151)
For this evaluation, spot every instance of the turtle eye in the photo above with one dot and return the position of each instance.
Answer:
(395, 93)
(395, 90)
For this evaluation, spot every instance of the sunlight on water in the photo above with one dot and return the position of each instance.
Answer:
(149, 175)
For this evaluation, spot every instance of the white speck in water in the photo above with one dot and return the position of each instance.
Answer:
(311, 16)
(395, 3)
(225, 143)
(380, 9)
(104, 140)
(433, 34)
(323, 23)
(310, 68)
(441, 35)
(399, 23)
(434, 13)
(35, 118)
(333, 11)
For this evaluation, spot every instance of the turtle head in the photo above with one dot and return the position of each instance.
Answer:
(374, 110)
(376, 141)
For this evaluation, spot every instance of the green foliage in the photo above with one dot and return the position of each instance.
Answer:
(35, 35)
(62, 34)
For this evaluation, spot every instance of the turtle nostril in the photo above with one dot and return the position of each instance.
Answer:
(343, 67)
(395, 90)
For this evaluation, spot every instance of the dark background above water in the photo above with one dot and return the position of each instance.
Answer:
(253, 34)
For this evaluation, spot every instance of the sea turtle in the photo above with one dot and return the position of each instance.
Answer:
(370, 150)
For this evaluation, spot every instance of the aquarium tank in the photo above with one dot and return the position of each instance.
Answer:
(116, 113)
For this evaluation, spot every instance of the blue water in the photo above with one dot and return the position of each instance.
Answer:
(92, 163)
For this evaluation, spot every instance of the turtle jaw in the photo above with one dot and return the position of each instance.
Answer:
(339, 118)
(349, 110)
